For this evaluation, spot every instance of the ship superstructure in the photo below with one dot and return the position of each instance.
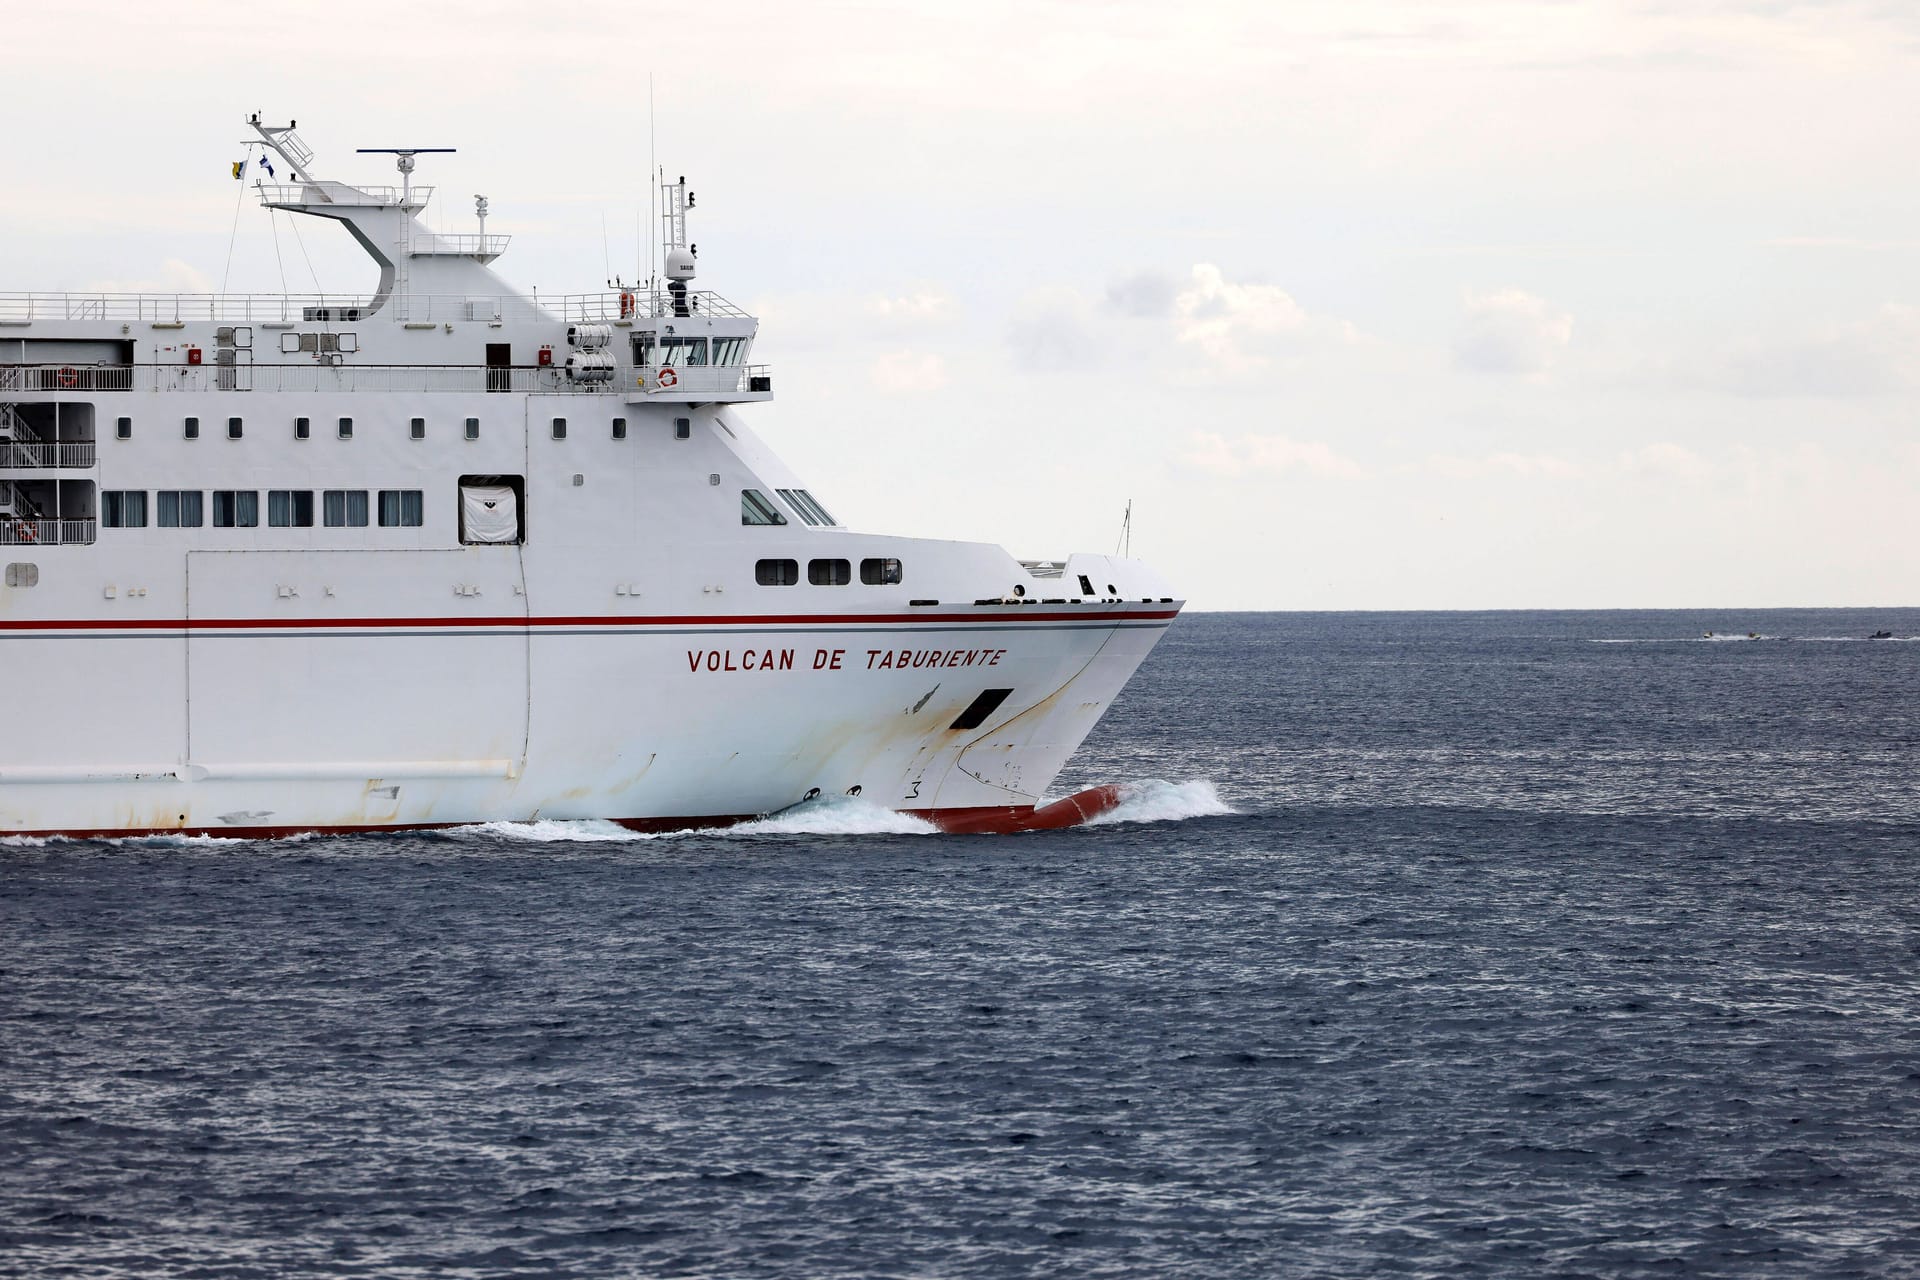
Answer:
(452, 553)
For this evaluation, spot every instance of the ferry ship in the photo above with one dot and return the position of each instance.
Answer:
(453, 553)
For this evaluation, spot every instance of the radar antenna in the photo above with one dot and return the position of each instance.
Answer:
(405, 163)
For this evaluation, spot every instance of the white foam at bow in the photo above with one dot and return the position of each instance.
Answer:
(1157, 800)
(836, 816)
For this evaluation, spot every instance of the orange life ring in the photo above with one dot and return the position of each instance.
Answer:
(69, 376)
(23, 530)
(626, 305)
(668, 377)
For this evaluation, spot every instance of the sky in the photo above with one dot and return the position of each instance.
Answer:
(1374, 305)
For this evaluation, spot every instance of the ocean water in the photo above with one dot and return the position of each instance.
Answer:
(1542, 944)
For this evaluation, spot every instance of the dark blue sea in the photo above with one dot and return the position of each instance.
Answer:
(1530, 944)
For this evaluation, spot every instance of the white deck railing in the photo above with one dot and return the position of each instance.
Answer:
(46, 453)
(730, 379)
(16, 532)
(334, 309)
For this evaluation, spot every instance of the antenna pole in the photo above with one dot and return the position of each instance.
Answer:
(652, 183)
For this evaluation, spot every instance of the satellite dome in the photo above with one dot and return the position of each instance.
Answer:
(679, 264)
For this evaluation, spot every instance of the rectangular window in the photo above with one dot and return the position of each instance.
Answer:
(417, 429)
(345, 508)
(401, 508)
(729, 350)
(123, 508)
(829, 573)
(473, 428)
(559, 428)
(346, 428)
(683, 351)
(233, 428)
(290, 508)
(683, 428)
(777, 573)
(880, 573)
(619, 428)
(803, 502)
(179, 509)
(236, 508)
(302, 428)
(123, 428)
(193, 428)
(755, 509)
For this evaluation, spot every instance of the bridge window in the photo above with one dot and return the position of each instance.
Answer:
(755, 509)
(179, 509)
(290, 508)
(810, 510)
(123, 508)
(236, 508)
(682, 351)
(401, 508)
(345, 508)
(829, 573)
(729, 350)
(777, 573)
(880, 573)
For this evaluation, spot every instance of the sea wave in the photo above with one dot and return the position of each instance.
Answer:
(1157, 800)
(835, 816)
(552, 831)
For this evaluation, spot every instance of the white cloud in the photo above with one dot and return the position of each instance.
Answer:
(1235, 325)
(1272, 455)
(1143, 295)
(1058, 329)
(924, 307)
(908, 372)
(1511, 331)
(1868, 357)
(1664, 458)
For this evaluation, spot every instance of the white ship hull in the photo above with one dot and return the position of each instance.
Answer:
(258, 727)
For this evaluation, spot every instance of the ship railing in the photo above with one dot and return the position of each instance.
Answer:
(718, 379)
(19, 454)
(607, 306)
(66, 377)
(343, 376)
(325, 192)
(176, 308)
(16, 532)
(477, 246)
(641, 304)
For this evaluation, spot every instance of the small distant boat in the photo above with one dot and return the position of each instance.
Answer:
(1881, 635)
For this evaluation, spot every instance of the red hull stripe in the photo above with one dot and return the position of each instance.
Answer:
(934, 621)
(984, 820)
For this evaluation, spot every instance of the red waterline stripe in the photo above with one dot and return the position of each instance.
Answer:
(690, 620)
